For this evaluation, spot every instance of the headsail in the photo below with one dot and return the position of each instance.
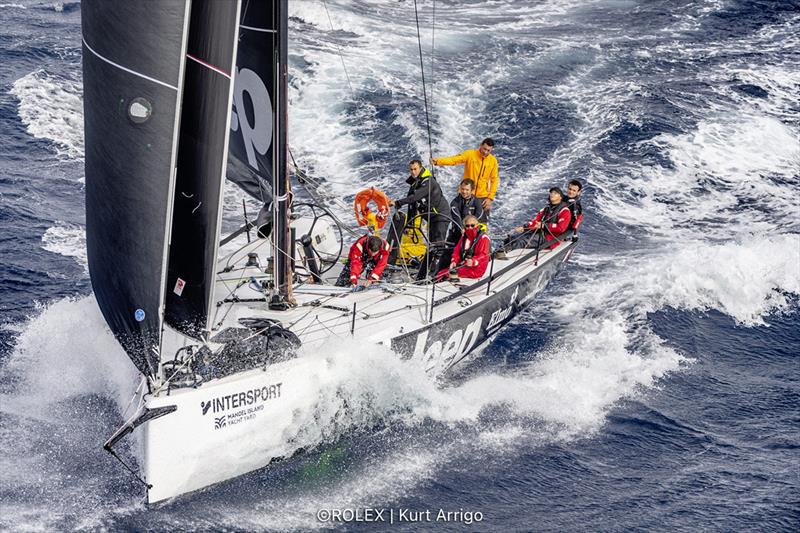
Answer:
(253, 120)
(132, 81)
(202, 157)
(258, 123)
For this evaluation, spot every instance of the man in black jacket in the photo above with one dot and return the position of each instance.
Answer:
(574, 188)
(425, 200)
(465, 203)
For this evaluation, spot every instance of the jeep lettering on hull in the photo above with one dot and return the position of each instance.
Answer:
(457, 345)
(441, 345)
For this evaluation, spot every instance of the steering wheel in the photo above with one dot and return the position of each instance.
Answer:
(326, 260)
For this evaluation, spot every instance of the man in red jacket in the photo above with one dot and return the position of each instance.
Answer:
(471, 254)
(368, 252)
(551, 221)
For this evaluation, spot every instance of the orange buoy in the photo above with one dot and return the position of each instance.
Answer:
(363, 212)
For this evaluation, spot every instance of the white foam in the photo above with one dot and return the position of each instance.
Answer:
(747, 279)
(66, 351)
(68, 240)
(51, 108)
(332, 130)
(63, 352)
(729, 165)
(61, 356)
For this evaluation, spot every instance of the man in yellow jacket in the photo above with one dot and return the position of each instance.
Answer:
(481, 167)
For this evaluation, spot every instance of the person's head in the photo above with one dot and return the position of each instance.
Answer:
(486, 147)
(556, 196)
(415, 167)
(574, 188)
(466, 188)
(374, 245)
(471, 225)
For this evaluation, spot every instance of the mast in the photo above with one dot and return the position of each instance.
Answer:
(281, 296)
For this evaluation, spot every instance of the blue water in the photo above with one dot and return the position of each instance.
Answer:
(654, 386)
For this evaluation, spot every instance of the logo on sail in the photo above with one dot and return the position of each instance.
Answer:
(256, 130)
(219, 422)
(179, 285)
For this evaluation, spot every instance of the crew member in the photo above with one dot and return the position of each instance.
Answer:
(368, 253)
(471, 254)
(423, 188)
(465, 203)
(481, 167)
(550, 222)
(574, 189)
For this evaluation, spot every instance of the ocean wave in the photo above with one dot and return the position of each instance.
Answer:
(735, 173)
(68, 240)
(51, 108)
(747, 279)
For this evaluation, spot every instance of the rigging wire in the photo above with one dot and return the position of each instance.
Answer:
(428, 124)
(422, 70)
(433, 55)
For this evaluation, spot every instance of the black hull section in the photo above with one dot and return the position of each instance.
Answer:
(444, 343)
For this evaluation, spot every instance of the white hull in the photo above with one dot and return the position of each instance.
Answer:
(225, 428)
(239, 423)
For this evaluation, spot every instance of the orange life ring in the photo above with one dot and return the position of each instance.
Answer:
(361, 206)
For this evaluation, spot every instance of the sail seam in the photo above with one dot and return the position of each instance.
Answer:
(126, 69)
(209, 65)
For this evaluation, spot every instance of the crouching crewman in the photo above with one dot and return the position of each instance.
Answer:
(368, 253)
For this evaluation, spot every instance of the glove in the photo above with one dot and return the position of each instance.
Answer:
(357, 288)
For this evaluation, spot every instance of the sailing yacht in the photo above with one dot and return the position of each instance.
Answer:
(176, 100)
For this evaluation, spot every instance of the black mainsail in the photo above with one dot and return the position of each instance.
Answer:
(133, 59)
(161, 118)
(202, 158)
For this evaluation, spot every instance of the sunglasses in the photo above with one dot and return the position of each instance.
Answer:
(470, 225)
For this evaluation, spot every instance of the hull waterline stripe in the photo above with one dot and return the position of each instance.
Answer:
(209, 65)
(265, 30)
(126, 69)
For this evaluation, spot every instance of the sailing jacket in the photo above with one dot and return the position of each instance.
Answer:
(481, 170)
(460, 208)
(475, 245)
(576, 211)
(359, 257)
(417, 198)
(555, 218)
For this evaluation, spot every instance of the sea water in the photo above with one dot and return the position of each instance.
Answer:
(653, 386)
